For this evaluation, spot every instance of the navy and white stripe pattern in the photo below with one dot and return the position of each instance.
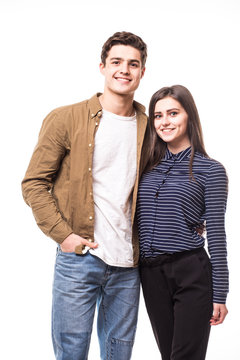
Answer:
(171, 206)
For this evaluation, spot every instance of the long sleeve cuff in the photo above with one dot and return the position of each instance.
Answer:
(219, 298)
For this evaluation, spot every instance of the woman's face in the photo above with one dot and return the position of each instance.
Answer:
(170, 121)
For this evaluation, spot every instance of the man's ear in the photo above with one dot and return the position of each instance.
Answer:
(102, 68)
(143, 71)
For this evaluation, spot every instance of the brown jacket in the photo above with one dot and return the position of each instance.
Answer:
(58, 182)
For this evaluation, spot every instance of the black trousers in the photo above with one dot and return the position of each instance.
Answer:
(177, 289)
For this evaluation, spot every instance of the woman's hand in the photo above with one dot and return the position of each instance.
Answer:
(219, 313)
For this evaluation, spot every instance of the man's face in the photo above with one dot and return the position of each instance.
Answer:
(122, 70)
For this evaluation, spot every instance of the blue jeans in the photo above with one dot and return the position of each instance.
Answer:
(81, 283)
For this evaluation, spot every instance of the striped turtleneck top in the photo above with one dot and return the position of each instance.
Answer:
(171, 206)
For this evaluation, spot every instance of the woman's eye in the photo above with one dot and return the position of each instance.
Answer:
(158, 116)
(173, 113)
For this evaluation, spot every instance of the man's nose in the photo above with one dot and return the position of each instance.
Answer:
(125, 68)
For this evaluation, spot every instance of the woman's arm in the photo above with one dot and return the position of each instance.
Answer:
(215, 206)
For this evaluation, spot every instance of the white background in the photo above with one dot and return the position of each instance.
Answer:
(50, 51)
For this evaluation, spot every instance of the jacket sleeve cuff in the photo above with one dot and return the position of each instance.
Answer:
(60, 231)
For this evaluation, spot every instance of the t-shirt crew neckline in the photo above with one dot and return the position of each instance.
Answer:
(111, 116)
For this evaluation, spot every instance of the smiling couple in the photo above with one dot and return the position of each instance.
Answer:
(82, 185)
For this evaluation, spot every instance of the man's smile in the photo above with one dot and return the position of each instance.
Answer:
(122, 79)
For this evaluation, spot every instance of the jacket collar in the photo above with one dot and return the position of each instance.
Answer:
(96, 108)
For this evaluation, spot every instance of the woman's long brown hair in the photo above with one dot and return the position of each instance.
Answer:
(156, 146)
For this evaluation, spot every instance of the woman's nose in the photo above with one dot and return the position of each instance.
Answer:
(165, 119)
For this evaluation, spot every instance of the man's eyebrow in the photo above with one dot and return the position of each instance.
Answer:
(135, 60)
(116, 58)
(130, 60)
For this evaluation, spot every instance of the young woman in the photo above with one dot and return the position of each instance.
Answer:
(181, 190)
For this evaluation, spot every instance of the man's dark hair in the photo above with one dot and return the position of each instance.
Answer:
(124, 38)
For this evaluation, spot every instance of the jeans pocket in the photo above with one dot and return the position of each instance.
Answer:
(60, 252)
(67, 252)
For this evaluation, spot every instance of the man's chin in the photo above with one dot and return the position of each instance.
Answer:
(126, 92)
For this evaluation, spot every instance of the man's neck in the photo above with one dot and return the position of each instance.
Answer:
(117, 104)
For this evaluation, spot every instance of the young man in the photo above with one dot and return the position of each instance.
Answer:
(81, 184)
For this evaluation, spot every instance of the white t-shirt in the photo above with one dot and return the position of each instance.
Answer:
(114, 173)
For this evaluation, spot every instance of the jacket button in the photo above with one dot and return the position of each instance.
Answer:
(90, 217)
(89, 145)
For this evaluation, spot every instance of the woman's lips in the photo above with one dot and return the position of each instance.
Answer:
(167, 131)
